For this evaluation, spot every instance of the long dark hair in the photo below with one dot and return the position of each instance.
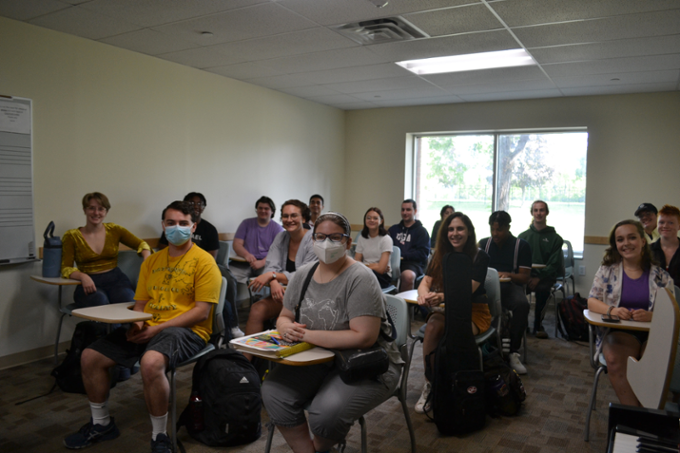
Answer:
(612, 255)
(381, 229)
(443, 246)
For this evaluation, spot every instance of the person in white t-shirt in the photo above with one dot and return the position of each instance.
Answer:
(374, 246)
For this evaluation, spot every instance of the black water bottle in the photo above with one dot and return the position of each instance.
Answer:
(196, 404)
(51, 253)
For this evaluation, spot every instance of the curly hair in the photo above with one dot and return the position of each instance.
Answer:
(443, 246)
(381, 229)
(612, 255)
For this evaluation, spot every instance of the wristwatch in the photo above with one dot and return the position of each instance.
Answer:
(273, 275)
(609, 311)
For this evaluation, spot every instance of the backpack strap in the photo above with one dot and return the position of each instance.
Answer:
(488, 244)
(304, 290)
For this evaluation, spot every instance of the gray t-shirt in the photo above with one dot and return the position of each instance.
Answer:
(372, 249)
(330, 306)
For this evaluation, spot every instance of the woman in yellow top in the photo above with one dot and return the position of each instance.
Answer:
(94, 248)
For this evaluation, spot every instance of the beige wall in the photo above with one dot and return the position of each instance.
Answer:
(633, 152)
(145, 132)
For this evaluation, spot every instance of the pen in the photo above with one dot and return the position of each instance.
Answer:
(274, 341)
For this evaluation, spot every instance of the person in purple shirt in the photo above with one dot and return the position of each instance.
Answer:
(625, 285)
(253, 239)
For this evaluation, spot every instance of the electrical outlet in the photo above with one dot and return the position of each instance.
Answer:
(581, 270)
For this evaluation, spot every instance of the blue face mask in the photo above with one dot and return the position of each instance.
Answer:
(178, 235)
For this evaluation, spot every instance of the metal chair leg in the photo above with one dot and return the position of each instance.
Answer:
(173, 411)
(591, 406)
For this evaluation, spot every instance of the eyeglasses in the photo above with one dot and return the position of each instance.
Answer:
(96, 209)
(193, 205)
(290, 216)
(335, 237)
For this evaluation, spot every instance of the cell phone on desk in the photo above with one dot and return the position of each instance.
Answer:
(610, 318)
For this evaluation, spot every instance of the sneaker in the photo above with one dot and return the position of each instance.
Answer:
(541, 333)
(516, 364)
(421, 406)
(236, 332)
(162, 444)
(90, 434)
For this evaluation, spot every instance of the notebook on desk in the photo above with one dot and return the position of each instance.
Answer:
(269, 343)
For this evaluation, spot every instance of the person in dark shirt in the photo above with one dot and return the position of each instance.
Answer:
(511, 257)
(666, 250)
(411, 237)
(446, 211)
(205, 235)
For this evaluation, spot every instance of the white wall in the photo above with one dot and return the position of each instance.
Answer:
(146, 132)
(633, 152)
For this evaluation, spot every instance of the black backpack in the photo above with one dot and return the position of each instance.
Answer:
(457, 396)
(68, 373)
(504, 392)
(231, 404)
(570, 321)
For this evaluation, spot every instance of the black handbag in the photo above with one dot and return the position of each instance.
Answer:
(355, 364)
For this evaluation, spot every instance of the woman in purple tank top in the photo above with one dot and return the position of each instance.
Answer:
(625, 285)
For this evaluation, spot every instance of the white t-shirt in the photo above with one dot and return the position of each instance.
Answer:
(372, 249)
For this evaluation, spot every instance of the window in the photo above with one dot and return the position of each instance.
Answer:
(481, 173)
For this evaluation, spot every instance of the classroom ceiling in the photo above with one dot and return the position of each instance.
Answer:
(583, 47)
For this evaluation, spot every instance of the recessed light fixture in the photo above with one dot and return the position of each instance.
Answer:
(469, 62)
(206, 34)
(379, 3)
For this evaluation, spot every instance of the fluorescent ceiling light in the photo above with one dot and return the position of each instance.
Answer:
(469, 62)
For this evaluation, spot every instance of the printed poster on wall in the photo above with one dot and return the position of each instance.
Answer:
(15, 118)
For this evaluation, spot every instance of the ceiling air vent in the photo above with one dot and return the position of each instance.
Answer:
(389, 29)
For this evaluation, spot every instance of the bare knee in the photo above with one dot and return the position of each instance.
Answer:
(434, 329)
(91, 360)
(153, 365)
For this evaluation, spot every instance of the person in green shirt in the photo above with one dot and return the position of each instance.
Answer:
(546, 249)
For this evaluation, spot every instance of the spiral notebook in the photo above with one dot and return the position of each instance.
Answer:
(270, 344)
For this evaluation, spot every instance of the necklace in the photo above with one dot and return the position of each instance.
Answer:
(168, 276)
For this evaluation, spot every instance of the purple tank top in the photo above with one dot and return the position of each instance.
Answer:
(635, 293)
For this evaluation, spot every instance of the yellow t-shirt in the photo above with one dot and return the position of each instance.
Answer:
(172, 285)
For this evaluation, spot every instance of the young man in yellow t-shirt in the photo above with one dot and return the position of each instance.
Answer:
(179, 286)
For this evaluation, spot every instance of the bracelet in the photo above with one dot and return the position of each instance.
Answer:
(609, 312)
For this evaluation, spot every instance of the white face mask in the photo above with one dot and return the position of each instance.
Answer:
(329, 252)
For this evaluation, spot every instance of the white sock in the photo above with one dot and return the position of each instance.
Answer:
(158, 425)
(100, 413)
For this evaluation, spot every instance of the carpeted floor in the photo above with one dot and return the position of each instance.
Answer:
(558, 387)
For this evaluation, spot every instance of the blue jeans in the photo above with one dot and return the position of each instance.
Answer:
(112, 287)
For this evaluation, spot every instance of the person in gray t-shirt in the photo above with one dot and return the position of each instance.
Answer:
(342, 308)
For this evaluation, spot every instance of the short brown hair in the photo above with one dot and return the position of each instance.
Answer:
(669, 210)
(100, 197)
(183, 207)
(301, 205)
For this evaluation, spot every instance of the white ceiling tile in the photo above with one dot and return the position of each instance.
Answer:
(657, 45)
(335, 99)
(621, 89)
(596, 30)
(23, 10)
(201, 57)
(394, 83)
(535, 12)
(496, 76)
(426, 91)
(294, 43)
(242, 71)
(149, 41)
(369, 72)
(488, 88)
(331, 59)
(511, 95)
(149, 13)
(355, 106)
(309, 91)
(254, 22)
(280, 81)
(425, 101)
(628, 78)
(81, 22)
(614, 65)
(449, 45)
(336, 12)
(455, 20)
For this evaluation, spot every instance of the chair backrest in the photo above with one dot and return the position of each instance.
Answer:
(218, 326)
(568, 252)
(650, 377)
(492, 286)
(395, 265)
(398, 310)
(223, 253)
(675, 379)
(130, 263)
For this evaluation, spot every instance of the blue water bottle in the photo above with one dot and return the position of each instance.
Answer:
(51, 253)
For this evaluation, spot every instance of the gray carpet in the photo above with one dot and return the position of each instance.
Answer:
(552, 419)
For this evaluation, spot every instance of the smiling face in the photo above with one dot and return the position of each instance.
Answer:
(291, 218)
(315, 206)
(95, 213)
(197, 205)
(457, 234)
(264, 212)
(407, 212)
(668, 226)
(648, 220)
(372, 221)
(629, 244)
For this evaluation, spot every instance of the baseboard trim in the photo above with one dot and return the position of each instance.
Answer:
(32, 355)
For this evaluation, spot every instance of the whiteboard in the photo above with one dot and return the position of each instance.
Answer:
(17, 230)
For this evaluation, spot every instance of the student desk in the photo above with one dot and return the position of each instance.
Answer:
(312, 356)
(595, 319)
(112, 314)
